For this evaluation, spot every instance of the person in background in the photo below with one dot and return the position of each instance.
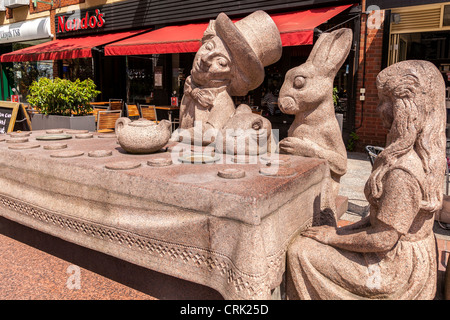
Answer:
(270, 102)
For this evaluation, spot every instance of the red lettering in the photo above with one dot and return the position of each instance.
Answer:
(84, 21)
(92, 22)
(69, 25)
(76, 24)
(101, 21)
(96, 21)
(61, 24)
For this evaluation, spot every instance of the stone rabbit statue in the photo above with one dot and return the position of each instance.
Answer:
(307, 93)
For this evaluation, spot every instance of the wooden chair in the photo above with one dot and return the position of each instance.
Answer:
(149, 112)
(132, 111)
(115, 104)
(175, 119)
(95, 113)
(106, 120)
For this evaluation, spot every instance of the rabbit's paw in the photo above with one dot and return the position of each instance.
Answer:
(298, 147)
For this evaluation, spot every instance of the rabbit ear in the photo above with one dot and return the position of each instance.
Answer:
(331, 50)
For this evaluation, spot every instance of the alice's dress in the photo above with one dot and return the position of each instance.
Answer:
(407, 271)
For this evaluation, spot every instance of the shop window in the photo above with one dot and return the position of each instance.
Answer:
(23, 74)
(446, 18)
(73, 69)
(140, 79)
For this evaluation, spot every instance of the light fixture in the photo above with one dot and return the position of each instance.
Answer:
(396, 18)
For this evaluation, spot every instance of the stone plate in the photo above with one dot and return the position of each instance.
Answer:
(123, 165)
(77, 131)
(55, 146)
(24, 146)
(276, 171)
(54, 131)
(17, 140)
(19, 134)
(100, 153)
(198, 158)
(67, 154)
(231, 173)
(159, 162)
(54, 137)
(107, 135)
(84, 136)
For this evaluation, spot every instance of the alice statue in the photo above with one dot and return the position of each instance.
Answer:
(390, 254)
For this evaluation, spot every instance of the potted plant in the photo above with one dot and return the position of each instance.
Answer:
(62, 103)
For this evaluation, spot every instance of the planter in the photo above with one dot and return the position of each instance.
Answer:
(43, 122)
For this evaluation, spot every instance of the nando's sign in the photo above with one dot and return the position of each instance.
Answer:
(90, 20)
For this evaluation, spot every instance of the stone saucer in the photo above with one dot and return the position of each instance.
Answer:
(84, 136)
(123, 165)
(19, 134)
(77, 131)
(17, 140)
(55, 146)
(67, 154)
(276, 171)
(23, 146)
(231, 173)
(54, 131)
(50, 137)
(159, 162)
(100, 153)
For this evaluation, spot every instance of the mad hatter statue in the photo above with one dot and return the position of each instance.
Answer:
(230, 63)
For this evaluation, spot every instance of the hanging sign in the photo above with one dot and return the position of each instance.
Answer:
(26, 30)
(93, 20)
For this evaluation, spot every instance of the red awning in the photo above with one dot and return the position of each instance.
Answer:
(296, 28)
(69, 48)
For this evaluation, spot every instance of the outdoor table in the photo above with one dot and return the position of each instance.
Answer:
(182, 219)
(103, 105)
(169, 109)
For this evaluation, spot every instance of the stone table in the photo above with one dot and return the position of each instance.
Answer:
(182, 219)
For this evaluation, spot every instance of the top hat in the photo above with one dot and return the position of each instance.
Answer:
(254, 42)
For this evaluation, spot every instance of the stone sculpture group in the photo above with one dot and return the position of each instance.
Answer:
(390, 254)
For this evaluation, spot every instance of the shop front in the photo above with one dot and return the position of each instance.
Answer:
(16, 77)
(141, 52)
(158, 62)
(419, 31)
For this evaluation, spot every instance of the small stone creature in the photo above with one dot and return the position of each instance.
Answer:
(307, 94)
(230, 63)
(245, 133)
(390, 254)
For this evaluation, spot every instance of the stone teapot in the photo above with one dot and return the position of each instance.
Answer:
(142, 136)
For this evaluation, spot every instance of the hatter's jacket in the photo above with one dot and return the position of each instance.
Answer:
(211, 106)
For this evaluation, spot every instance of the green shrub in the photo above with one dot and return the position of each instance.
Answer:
(62, 97)
(352, 141)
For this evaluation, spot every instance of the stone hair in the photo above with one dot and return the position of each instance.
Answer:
(416, 106)
(210, 32)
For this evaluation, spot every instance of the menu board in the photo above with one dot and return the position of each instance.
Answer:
(12, 116)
